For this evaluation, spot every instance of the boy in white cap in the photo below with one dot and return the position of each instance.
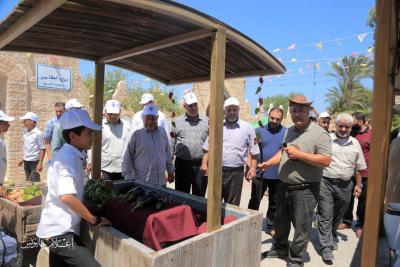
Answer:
(63, 209)
(114, 135)
(148, 154)
(324, 120)
(4, 125)
(33, 150)
(239, 142)
(187, 139)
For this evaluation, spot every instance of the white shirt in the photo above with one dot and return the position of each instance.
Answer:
(112, 146)
(65, 176)
(3, 161)
(33, 144)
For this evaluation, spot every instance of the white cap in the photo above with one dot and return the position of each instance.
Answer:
(30, 116)
(112, 106)
(146, 98)
(4, 117)
(150, 109)
(190, 98)
(232, 101)
(324, 115)
(77, 117)
(73, 103)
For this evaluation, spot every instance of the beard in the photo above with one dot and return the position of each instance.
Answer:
(342, 136)
(273, 127)
(355, 128)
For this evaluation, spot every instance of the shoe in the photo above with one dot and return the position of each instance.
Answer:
(343, 226)
(275, 253)
(359, 231)
(327, 256)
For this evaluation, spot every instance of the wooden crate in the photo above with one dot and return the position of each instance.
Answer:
(19, 221)
(236, 244)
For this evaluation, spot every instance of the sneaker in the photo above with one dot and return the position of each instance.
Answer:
(327, 256)
(343, 226)
(275, 253)
(359, 231)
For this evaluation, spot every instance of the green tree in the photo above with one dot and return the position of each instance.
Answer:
(371, 19)
(350, 93)
(279, 99)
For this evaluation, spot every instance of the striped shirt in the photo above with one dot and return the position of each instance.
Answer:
(188, 137)
(147, 157)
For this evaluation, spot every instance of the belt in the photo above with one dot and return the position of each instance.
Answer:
(232, 169)
(336, 180)
(292, 187)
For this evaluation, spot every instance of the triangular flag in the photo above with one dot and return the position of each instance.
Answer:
(354, 54)
(292, 47)
(276, 50)
(301, 71)
(319, 45)
(362, 36)
(269, 79)
(370, 49)
(317, 66)
(293, 60)
(364, 65)
(339, 42)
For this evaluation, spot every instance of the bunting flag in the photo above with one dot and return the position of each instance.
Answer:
(293, 60)
(370, 50)
(276, 50)
(361, 36)
(310, 66)
(292, 47)
(319, 45)
(301, 71)
(354, 54)
(364, 65)
(270, 79)
(339, 42)
(317, 66)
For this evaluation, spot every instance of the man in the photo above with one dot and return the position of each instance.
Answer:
(270, 140)
(363, 135)
(306, 151)
(33, 150)
(57, 140)
(4, 126)
(324, 120)
(137, 121)
(187, 139)
(148, 154)
(63, 209)
(336, 184)
(114, 135)
(59, 109)
(239, 142)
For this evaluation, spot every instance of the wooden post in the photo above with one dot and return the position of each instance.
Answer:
(98, 117)
(217, 77)
(381, 121)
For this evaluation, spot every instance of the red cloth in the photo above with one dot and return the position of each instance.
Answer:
(203, 226)
(364, 138)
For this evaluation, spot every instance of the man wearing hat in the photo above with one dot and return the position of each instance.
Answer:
(239, 142)
(59, 226)
(306, 150)
(148, 154)
(324, 120)
(33, 150)
(137, 121)
(4, 125)
(114, 136)
(187, 139)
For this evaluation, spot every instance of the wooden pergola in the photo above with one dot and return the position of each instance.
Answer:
(164, 40)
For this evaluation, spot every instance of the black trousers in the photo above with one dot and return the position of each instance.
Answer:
(348, 216)
(113, 176)
(333, 200)
(68, 250)
(29, 167)
(188, 175)
(232, 182)
(295, 205)
(258, 188)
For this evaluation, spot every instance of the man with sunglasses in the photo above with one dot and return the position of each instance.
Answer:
(187, 139)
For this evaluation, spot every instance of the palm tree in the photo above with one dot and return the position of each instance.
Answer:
(350, 93)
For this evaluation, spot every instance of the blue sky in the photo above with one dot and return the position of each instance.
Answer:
(279, 24)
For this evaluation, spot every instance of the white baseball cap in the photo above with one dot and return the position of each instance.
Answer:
(77, 117)
(150, 109)
(232, 101)
(73, 103)
(146, 98)
(4, 117)
(324, 115)
(189, 98)
(30, 116)
(112, 106)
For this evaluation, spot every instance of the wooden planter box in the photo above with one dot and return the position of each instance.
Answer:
(18, 220)
(236, 244)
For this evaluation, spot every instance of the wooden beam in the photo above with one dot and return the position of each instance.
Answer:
(30, 18)
(171, 41)
(385, 48)
(217, 76)
(98, 117)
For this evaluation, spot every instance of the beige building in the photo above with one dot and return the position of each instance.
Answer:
(19, 94)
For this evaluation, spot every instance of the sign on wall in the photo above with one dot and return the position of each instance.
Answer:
(50, 77)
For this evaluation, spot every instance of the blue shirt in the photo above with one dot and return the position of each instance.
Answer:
(48, 130)
(270, 144)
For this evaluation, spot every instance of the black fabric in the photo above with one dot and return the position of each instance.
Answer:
(360, 212)
(258, 188)
(188, 176)
(30, 171)
(113, 176)
(232, 182)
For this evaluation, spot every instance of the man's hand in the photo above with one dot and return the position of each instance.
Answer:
(20, 162)
(89, 167)
(170, 177)
(251, 174)
(293, 152)
(2, 191)
(204, 169)
(39, 167)
(103, 222)
(357, 191)
(263, 166)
